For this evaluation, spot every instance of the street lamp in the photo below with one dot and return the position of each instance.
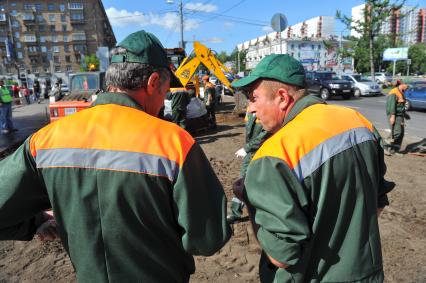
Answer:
(182, 42)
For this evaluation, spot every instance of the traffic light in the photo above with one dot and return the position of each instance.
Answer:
(92, 67)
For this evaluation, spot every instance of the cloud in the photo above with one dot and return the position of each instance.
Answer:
(267, 29)
(215, 40)
(170, 21)
(201, 7)
(228, 24)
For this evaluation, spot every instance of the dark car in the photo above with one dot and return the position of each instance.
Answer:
(415, 96)
(326, 84)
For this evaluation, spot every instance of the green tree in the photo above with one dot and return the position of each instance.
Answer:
(417, 54)
(242, 56)
(374, 14)
(91, 63)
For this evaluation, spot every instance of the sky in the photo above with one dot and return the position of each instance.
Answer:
(219, 24)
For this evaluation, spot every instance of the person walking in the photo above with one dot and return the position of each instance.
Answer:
(6, 99)
(25, 92)
(315, 188)
(210, 100)
(36, 91)
(15, 91)
(134, 197)
(395, 111)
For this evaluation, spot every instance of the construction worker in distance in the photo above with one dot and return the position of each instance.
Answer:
(210, 100)
(133, 196)
(255, 136)
(315, 188)
(180, 100)
(395, 111)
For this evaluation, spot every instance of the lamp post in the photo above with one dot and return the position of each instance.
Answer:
(182, 42)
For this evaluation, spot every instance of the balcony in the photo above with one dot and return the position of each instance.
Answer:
(30, 38)
(81, 36)
(77, 18)
(75, 6)
(3, 19)
(28, 18)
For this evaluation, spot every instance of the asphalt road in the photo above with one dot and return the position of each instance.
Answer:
(374, 108)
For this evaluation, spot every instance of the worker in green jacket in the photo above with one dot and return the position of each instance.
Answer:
(315, 188)
(395, 111)
(255, 136)
(133, 196)
(180, 100)
(6, 99)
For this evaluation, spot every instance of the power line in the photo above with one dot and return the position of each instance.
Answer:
(223, 12)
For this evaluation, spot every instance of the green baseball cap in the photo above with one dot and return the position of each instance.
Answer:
(280, 67)
(144, 47)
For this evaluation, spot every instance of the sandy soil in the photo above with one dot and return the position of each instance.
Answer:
(402, 224)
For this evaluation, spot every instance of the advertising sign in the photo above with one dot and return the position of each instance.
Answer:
(395, 54)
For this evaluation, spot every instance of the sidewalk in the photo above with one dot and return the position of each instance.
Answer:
(27, 119)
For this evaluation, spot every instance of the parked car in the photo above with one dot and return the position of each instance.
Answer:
(326, 84)
(415, 96)
(382, 78)
(362, 85)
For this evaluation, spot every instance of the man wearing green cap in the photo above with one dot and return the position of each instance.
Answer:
(315, 188)
(134, 197)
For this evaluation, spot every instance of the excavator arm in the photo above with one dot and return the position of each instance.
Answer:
(202, 55)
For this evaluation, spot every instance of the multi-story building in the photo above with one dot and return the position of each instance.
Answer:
(50, 37)
(407, 24)
(304, 41)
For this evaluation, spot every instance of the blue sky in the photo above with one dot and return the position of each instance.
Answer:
(219, 24)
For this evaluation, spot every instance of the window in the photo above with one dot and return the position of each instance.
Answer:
(66, 48)
(31, 28)
(28, 6)
(79, 47)
(69, 68)
(57, 69)
(51, 7)
(77, 16)
(30, 38)
(42, 28)
(28, 17)
(64, 27)
(63, 18)
(66, 38)
(2, 17)
(319, 46)
(55, 49)
(19, 54)
(14, 13)
(68, 59)
(62, 7)
(40, 18)
(78, 58)
(52, 18)
(32, 48)
(313, 47)
(15, 24)
(52, 27)
(78, 36)
(44, 59)
(75, 6)
(43, 49)
(42, 38)
(18, 44)
(38, 7)
(13, 4)
(33, 60)
(17, 35)
(56, 59)
(54, 38)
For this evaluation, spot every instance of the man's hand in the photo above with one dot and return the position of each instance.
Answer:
(392, 120)
(47, 230)
(241, 153)
(238, 188)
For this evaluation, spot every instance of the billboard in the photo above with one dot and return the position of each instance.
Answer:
(395, 54)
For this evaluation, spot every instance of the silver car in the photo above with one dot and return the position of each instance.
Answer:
(362, 85)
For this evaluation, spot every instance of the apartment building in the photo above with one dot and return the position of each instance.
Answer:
(48, 37)
(407, 24)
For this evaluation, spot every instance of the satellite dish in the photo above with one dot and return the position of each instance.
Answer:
(278, 22)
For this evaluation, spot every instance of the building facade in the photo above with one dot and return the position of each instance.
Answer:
(407, 24)
(311, 42)
(51, 37)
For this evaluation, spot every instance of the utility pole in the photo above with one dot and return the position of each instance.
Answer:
(181, 42)
(12, 55)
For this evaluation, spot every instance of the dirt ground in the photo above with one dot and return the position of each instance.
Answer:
(402, 224)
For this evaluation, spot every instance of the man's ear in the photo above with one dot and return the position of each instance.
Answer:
(153, 83)
(284, 97)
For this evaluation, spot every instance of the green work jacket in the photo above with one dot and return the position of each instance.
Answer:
(134, 196)
(315, 186)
